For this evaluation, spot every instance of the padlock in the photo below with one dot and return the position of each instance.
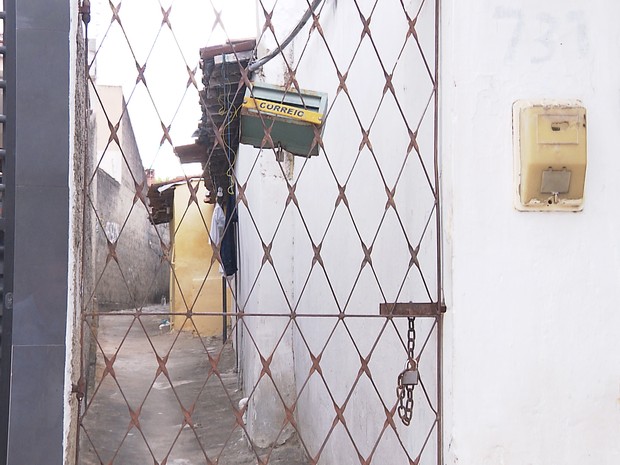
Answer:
(410, 377)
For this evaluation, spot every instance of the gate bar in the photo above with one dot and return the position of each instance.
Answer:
(6, 235)
(411, 309)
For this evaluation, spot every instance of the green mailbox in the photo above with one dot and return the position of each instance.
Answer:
(292, 117)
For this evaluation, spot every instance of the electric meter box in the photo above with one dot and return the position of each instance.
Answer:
(550, 155)
(293, 117)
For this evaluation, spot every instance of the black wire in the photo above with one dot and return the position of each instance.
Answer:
(304, 19)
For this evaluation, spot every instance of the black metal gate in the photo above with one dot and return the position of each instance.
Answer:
(266, 304)
(5, 254)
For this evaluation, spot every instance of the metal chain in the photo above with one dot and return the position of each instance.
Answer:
(411, 340)
(404, 392)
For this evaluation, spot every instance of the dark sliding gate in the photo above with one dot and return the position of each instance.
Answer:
(325, 345)
(6, 208)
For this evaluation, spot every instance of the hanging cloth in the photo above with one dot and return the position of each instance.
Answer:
(218, 222)
(228, 249)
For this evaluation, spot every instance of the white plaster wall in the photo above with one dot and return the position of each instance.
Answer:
(532, 348)
(265, 289)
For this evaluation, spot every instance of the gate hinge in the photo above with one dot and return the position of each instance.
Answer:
(85, 11)
(8, 301)
(78, 389)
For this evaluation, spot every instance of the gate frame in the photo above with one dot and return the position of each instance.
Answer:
(439, 305)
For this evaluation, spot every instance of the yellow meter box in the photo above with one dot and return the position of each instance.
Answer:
(292, 118)
(550, 155)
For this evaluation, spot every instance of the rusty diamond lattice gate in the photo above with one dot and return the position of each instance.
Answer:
(266, 303)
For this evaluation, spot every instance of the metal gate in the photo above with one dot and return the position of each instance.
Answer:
(263, 283)
(6, 204)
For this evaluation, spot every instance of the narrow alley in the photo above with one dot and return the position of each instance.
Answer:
(157, 432)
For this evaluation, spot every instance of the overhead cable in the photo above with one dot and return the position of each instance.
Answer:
(304, 19)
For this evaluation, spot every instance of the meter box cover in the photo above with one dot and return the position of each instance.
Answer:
(550, 155)
(294, 118)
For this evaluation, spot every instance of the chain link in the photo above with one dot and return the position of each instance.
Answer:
(404, 392)
(411, 340)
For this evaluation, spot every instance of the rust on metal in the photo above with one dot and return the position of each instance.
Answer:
(267, 253)
(390, 195)
(317, 255)
(291, 194)
(411, 309)
(342, 196)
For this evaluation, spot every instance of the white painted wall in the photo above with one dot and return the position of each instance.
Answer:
(263, 288)
(532, 348)
(265, 291)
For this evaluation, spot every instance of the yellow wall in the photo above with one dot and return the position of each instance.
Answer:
(192, 254)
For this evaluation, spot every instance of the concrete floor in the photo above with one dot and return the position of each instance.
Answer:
(109, 437)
